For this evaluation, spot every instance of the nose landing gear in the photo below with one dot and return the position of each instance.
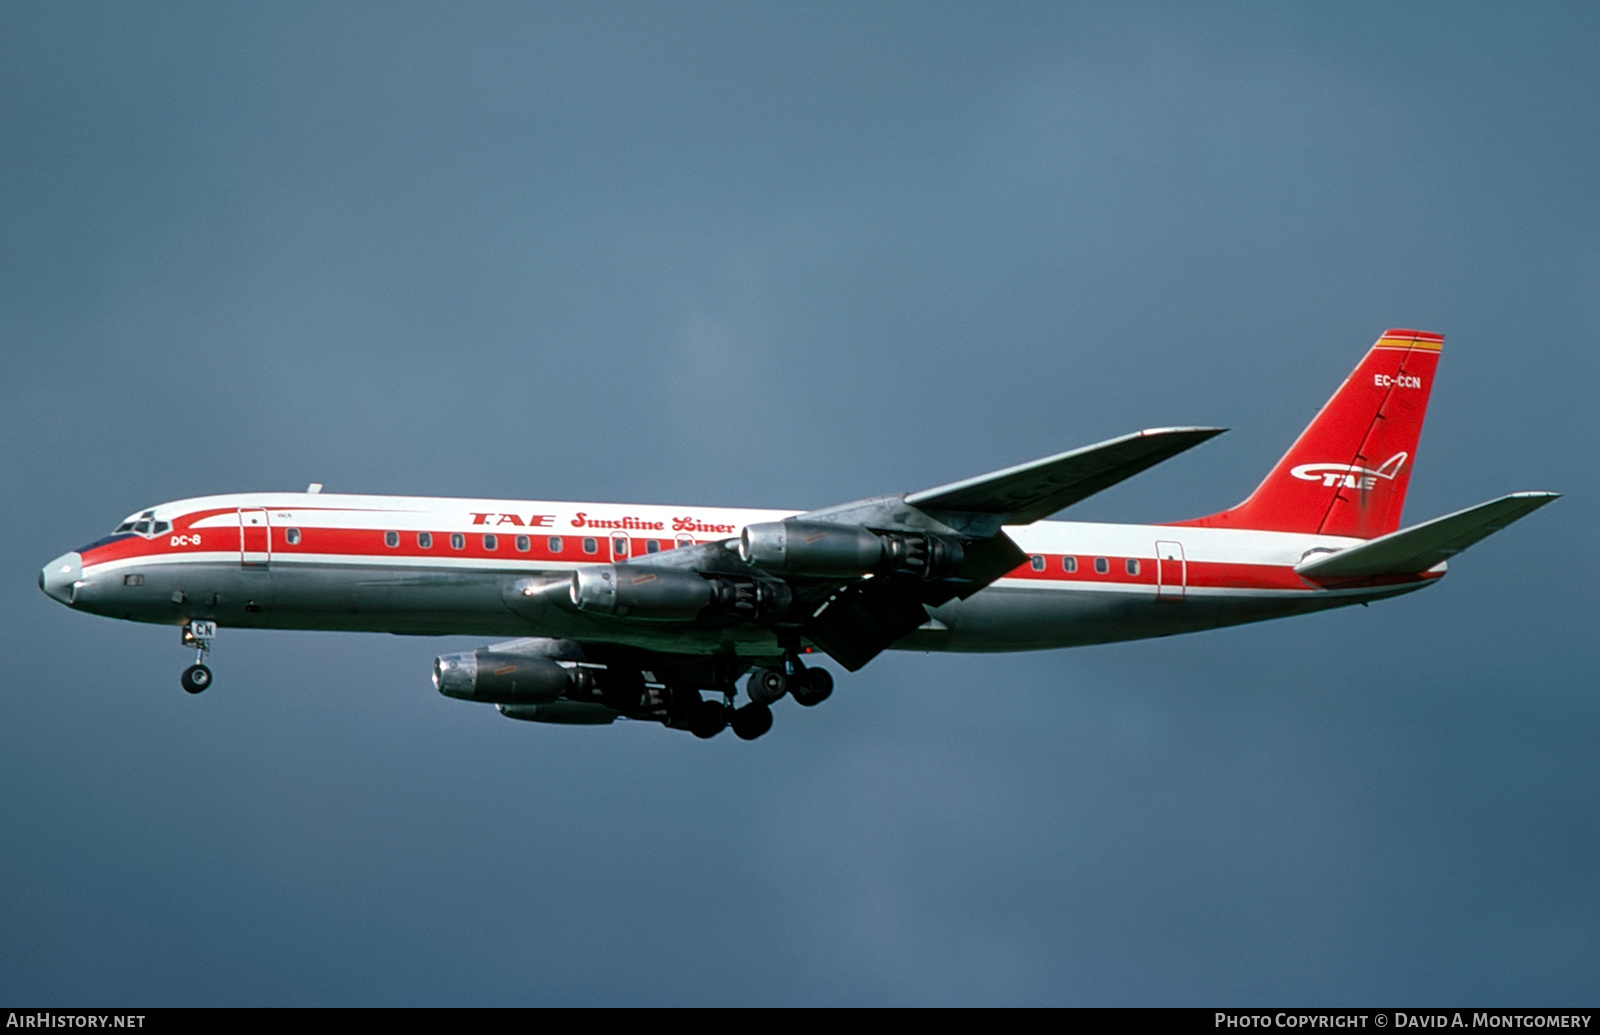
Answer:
(198, 634)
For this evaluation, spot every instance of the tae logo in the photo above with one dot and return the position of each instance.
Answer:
(1350, 476)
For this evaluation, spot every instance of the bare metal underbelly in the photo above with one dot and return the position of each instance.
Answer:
(446, 602)
(1007, 618)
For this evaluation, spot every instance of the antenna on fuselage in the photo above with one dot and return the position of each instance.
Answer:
(313, 488)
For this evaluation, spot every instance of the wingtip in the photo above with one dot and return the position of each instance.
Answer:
(1198, 431)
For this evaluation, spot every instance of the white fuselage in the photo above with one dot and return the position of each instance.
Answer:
(430, 565)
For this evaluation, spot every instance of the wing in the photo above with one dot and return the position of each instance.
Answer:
(861, 617)
(852, 579)
(1028, 492)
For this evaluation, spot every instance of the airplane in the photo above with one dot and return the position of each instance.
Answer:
(652, 612)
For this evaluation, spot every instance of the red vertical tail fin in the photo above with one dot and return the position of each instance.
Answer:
(1348, 471)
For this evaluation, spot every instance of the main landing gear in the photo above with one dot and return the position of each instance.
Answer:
(765, 687)
(198, 634)
(708, 718)
(808, 686)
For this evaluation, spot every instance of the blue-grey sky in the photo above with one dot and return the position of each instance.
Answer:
(788, 255)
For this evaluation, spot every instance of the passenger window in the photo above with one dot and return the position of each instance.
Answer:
(425, 540)
(652, 546)
(1102, 565)
(391, 539)
(458, 541)
(590, 546)
(554, 543)
(685, 540)
(522, 544)
(1133, 565)
(293, 536)
(490, 542)
(1038, 562)
(1069, 564)
(619, 546)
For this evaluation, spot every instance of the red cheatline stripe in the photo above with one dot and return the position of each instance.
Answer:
(333, 543)
(370, 542)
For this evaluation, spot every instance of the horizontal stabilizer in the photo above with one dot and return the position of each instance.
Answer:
(1031, 491)
(1420, 547)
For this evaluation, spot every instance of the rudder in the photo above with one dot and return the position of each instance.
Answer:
(1348, 472)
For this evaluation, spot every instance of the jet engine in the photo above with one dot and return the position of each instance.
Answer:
(844, 551)
(803, 548)
(661, 593)
(667, 594)
(750, 600)
(504, 678)
(922, 554)
(564, 713)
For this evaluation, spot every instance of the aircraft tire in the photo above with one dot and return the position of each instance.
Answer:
(196, 678)
(707, 719)
(751, 721)
(815, 688)
(681, 701)
(767, 686)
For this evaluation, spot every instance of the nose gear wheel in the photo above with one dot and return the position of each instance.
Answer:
(196, 678)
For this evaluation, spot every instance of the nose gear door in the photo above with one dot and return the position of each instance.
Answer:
(255, 538)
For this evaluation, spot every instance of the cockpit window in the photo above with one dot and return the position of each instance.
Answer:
(144, 524)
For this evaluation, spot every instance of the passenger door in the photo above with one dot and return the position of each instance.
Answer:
(1172, 571)
(255, 538)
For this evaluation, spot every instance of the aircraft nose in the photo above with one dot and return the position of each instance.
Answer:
(57, 577)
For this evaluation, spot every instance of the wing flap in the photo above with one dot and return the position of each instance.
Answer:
(1413, 550)
(984, 561)
(1028, 492)
(864, 619)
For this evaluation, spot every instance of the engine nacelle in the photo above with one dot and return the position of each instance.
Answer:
(844, 551)
(804, 548)
(750, 600)
(666, 594)
(640, 592)
(564, 713)
(502, 678)
(921, 554)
